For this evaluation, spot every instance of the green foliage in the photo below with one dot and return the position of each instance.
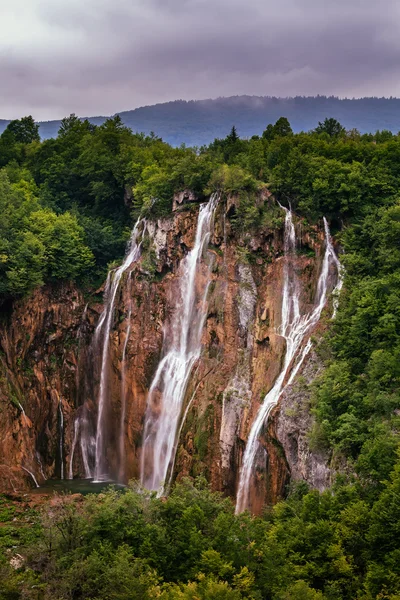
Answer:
(23, 131)
(331, 127)
(105, 176)
(357, 397)
(128, 544)
(35, 243)
(281, 128)
(231, 180)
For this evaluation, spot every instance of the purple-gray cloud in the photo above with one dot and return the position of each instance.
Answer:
(104, 56)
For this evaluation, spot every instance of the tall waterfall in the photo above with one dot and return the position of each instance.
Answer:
(124, 390)
(61, 441)
(295, 328)
(102, 337)
(181, 349)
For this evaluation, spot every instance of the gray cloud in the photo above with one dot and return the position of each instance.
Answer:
(103, 56)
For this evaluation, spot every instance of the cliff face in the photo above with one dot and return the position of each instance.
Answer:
(39, 374)
(50, 365)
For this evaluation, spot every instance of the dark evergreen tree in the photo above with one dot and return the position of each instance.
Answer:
(330, 126)
(233, 136)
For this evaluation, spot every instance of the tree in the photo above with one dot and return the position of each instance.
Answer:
(282, 127)
(330, 126)
(74, 124)
(233, 136)
(23, 131)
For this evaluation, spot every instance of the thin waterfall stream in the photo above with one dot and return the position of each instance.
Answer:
(102, 337)
(181, 349)
(74, 441)
(61, 438)
(124, 390)
(31, 474)
(294, 329)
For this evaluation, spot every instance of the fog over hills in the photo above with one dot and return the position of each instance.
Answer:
(198, 122)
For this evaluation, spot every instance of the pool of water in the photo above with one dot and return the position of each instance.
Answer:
(75, 486)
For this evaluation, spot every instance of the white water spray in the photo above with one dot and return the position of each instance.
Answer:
(294, 328)
(181, 349)
(102, 332)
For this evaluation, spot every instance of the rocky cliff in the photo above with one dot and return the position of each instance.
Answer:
(50, 363)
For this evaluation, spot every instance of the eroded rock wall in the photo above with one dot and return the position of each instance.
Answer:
(50, 363)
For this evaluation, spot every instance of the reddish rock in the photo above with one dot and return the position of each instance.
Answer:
(48, 360)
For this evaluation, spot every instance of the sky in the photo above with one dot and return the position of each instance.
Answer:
(99, 57)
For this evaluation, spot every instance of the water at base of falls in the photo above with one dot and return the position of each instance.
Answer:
(181, 349)
(74, 486)
(295, 329)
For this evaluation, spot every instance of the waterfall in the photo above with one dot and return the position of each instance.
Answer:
(181, 349)
(32, 475)
(74, 441)
(102, 337)
(123, 385)
(61, 438)
(339, 267)
(88, 446)
(21, 408)
(39, 462)
(294, 328)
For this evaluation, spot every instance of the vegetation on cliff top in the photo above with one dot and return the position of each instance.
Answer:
(67, 207)
(87, 185)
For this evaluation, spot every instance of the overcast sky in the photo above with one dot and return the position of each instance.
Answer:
(97, 57)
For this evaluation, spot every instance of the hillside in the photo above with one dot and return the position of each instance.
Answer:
(198, 122)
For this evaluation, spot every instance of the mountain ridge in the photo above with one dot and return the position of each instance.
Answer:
(198, 122)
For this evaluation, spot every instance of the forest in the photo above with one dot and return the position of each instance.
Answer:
(68, 205)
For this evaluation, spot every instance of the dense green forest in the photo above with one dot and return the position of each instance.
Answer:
(67, 207)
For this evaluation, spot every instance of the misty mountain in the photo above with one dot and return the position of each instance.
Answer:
(198, 122)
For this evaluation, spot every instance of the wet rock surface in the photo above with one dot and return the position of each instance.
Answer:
(48, 358)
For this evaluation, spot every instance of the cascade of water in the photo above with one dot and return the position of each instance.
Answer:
(88, 446)
(181, 349)
(74, 442)
(102, 335)
(123, 386)
(39, 462)
(21, 408)
(294, 328)
(32, 475)
(61, 438)
(339, 267)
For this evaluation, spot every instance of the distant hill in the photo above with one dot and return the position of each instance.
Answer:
(198, 122)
